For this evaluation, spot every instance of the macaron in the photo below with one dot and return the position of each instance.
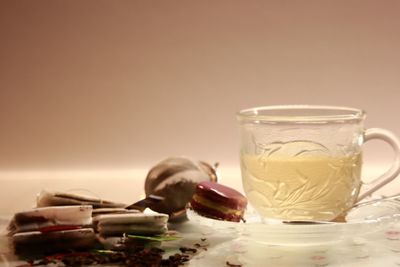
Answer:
(218, 201)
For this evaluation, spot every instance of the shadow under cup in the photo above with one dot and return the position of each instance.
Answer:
(301, 163)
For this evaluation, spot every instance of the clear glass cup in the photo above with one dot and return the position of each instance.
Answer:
(303, 163)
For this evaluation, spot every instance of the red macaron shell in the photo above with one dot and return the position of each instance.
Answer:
(221, 195)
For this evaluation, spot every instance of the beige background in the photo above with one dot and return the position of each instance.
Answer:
(119, 85)
(122, 84)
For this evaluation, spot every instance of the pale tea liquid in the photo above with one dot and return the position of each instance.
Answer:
(304, 188)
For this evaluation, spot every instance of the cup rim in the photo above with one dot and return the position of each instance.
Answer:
(306, 114)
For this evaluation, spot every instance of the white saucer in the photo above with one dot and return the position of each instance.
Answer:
(362, 220)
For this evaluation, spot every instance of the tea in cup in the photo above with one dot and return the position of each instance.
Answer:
(303, 163)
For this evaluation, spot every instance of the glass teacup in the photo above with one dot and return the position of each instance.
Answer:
(303, 163)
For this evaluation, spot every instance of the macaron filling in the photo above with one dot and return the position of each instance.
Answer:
(212, 205)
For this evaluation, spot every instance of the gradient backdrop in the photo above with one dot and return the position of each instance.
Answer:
(119, 85)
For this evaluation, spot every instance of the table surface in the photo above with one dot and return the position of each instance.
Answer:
(381, 248)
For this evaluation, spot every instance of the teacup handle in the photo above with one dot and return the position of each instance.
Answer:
(391, 174)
